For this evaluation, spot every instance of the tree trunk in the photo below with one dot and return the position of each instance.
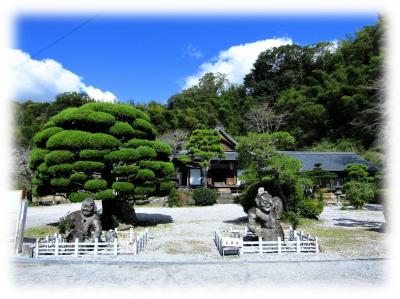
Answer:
(205, 177)
(115, 211)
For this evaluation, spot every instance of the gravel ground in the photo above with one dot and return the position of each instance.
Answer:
(181, 251)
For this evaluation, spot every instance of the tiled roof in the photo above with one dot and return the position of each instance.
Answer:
(331, 161)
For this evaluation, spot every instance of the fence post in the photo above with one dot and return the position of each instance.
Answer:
(279, 245)
(56, 247)
(147, 235)
(301, 235)
(19, 240)
(96, 246)
(115, 246)
(259, 245)
(37, 249)
(130, 234)
(297, 244)
(245, 230)
(76, 246)
(316, 245)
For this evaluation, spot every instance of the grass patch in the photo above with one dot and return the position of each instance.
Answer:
(41, 231)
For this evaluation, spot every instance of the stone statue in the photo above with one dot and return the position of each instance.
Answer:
(85, 224)
(264, 218)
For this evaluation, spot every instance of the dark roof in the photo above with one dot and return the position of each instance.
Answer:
(226, 135)
(331, 161)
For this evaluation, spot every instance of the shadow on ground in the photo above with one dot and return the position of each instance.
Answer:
(347, 222)
(146, 219)
(240, 220)
(373, 207)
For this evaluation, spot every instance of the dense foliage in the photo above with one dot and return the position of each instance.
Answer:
(204, 196)
(104, 150)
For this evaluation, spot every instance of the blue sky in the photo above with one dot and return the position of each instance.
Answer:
(151, 58)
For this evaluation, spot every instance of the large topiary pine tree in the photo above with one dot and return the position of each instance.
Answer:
(103, 150)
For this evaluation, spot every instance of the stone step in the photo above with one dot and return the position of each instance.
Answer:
(225, 198)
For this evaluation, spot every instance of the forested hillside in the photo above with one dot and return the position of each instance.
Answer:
(328, 96)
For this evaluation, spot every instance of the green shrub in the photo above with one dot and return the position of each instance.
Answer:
(310, 208)
(84, 119)
(37, 157)
(88, 166)
(146, 152)
(173, 198)
(91, 154)
(204, 196)
(125, 154)
(166, 187)
(69, 139)
(122, 129)
(60, 182)
(143, 115)
(358, 193)
(95, 185)
(105, 195)
(292, 218)
(145, 175)
(41, 137)
(59, 157)
(161, 168)
(65, 224)
(125, 170)
(143, 125)
(184, 159)
(161, 147)
(60, 169)
(79, 196)
(145, 189)
(48, 124)
(123, 187)
(122, 112)
(37, 181)
(78, 177)
(103, 141)
(43, 169)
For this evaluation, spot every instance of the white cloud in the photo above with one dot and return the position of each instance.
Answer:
(236, 61)
(42, 80)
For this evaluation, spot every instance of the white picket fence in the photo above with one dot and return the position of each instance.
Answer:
(58, 246)
(294, 241)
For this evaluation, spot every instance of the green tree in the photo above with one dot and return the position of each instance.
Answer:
(103, 150)
(204, 146)
(265, 166)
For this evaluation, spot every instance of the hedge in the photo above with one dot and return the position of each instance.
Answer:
(79, 196)
(125, 169)
(37, 157)
(37, 181)
(91, 154)
(145, 175)
(105, 194)
(95, 185)
(60, 182)
(60, 169)
(141, 114)
(204, 196)
(41, 137)
(43, 168)
(59, 157)
(123, 187)
(88, 166)
(126, 154)
(310, 208)
(49, 124)
(122, 129)
(146, 152)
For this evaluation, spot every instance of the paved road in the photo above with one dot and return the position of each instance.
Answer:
(343, 273)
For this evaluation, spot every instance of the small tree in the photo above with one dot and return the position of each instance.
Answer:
(265, 166)
(204, 146)
(359, 188)
(105, 151)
